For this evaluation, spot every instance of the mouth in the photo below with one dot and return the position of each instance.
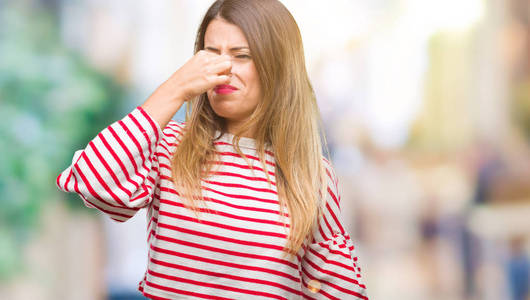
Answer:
(224, 89)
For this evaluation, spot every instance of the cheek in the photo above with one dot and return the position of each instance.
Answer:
(248, 74)
(252, 82)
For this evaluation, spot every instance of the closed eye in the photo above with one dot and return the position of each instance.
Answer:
(242, 56)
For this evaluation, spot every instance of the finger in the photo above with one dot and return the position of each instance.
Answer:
(219, 58)
(203, 53)
(225, 57)
(219, 67)
(207, 56)
(221, 79)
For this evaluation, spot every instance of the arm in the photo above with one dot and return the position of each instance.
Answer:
(330, 265)
(118, 170)
(116, 173)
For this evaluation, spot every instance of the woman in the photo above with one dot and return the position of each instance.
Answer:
(241, 203)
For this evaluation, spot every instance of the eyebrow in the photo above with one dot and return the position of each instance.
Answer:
(231, 49)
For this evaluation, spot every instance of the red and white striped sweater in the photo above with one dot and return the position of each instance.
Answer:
(234, 252)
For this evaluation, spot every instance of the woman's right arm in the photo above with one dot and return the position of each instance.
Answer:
(201, 73)
(118, 170)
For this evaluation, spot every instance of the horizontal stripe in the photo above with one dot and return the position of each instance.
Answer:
(241, 166)
(235, 154)
(172, 191)
(229, 215)
(228, 204)
(218, 238)
(228, 144)
(223, 226)
(179, 291)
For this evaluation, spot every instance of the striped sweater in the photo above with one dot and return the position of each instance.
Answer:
(234, 251)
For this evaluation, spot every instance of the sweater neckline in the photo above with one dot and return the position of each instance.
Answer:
(243, 141)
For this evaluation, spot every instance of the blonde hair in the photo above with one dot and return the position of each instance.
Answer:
(288, 117)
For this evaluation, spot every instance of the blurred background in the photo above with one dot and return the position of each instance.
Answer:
(426, 105)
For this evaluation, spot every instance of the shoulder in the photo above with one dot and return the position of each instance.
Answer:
(332, 182)
(171, 137)
(330, 171)
(174, 129)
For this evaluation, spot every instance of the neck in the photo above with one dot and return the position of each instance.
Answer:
(234, 127)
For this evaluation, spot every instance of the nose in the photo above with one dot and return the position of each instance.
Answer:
(227, 71)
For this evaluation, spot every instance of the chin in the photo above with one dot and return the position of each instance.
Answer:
(226, 108)
(229, 115)
(230, 107)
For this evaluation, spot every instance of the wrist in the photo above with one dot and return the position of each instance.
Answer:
(162, 107)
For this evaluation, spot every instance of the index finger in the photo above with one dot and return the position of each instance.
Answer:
(220, 58)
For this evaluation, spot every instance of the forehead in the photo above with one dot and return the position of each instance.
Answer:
(221, 33)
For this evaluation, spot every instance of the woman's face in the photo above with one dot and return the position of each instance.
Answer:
(234, 105)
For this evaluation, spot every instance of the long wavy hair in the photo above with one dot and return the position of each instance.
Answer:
(286, 120)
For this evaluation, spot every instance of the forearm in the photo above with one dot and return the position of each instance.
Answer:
(162, 106)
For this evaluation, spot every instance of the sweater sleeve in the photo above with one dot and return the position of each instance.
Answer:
(330, 266)
(118, 170)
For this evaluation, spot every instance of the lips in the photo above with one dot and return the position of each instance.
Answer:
(224, 89)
